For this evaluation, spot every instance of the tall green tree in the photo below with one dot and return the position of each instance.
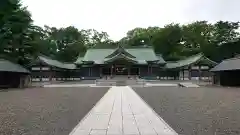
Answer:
(15, 21)
(197, 37)
(225, 31)
(69, 42)
(21, 41)
(93, 38)
(41, 42)
(139, 36)
(167, 41)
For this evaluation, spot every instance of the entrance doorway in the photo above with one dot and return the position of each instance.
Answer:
(134, 71)
(120, 70)
(106, 71)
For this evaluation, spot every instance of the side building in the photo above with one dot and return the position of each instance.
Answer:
(195, 67)
(227, 72)
(13, 75)
(44, 69)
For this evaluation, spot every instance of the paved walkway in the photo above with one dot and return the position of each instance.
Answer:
(122, 112)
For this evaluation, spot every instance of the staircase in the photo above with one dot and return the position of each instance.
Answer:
(188, 85)
(119, 81)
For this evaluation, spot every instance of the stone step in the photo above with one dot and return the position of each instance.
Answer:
(189, 85)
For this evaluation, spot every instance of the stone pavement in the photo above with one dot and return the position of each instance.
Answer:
(122, 112)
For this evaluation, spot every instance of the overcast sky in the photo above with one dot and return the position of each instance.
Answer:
(116, 17)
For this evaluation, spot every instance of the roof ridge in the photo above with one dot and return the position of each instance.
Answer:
(41, 55)
(171, 61)
(210, 59)
(139, 48)
(122, 47)
(49, 58)
(190, 57)
(67, 63)
(100, 48)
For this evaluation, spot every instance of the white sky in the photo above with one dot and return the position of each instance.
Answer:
(116, 17)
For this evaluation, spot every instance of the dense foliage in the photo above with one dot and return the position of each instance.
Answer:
(21, 41)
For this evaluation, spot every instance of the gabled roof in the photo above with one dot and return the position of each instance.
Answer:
(160, 58)
(120, 56)
(120, 50)
(79, 60)
(228, 64)
(98, 56)
(56, 63)
(8, 66)
(189, 61)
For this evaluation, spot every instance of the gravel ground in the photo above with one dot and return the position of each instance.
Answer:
(45, 111)
(196, 111)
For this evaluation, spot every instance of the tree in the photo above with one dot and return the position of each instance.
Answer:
(139, 36)
(94, 38)
(225, 32)
(69, 42)
(197, 37)
(21, 41)
(15, 21)
(41, 42)
(167, 41)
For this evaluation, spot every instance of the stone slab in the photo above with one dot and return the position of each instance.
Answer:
(122, 112)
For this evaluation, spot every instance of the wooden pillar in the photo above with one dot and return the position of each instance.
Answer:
(139, 71)
(148, 70)
(151, 69)
(111, 70)
(41, 79)
(200, 72)
(100, 71)
(183, 74)
(189, 72)
(89, 71)
(51, 74)
(129, 71)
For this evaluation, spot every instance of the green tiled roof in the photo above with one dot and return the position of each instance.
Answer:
(161, 60)
(120, 50)
(8, 66)
(120, 56)
(98, 56)
(190, 60)
(79, 60)
(228, 64)
(146, 54)
(56, 63)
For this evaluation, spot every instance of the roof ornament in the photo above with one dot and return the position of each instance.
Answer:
(120, 47)
(120, 50)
